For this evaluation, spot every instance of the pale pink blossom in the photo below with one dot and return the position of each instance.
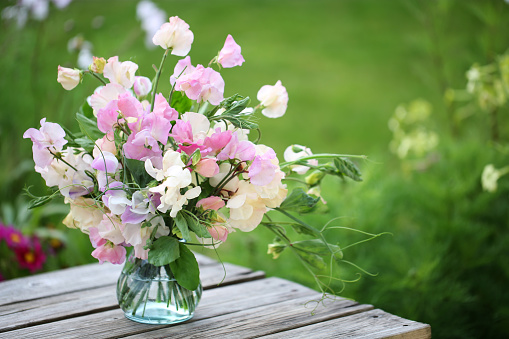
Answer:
(182, 67)
(207, 167)
(142, 146)
(211, 203)
(230, 56)
(115, 198)
(137, 236)
(142, 86)
(49, 136)
(104, 94)
(262, 169)
(68, 77)
(110, 228)
(219, 233)
(202, 84)
(109, 252)
(217, 140)
(175, 35)
(163, 109)
(105, 144)
(274, 100)
(224, 170)
(121, 73)
(243, 150)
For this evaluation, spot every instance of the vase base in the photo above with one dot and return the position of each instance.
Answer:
(158, 314)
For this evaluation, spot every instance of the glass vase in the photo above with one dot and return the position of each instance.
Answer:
(151, 295)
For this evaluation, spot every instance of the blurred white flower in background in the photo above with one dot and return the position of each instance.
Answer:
(37, 9)
(151, 17)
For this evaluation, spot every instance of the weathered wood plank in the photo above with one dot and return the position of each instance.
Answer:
(371, 324)
(221, 305)
(255, 322)
(68, 280)
(73, 304)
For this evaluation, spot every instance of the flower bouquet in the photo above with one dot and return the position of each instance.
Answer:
(165, 172)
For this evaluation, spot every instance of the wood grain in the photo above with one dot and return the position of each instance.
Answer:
(371, 324)
(67, 305)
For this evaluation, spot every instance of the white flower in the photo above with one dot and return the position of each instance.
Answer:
(68, 77)
(84, 214)
(175, 35)
(274, 99)
(295, 152)
(490, 176)
(246, 208)
(121, 73)
(176, 177)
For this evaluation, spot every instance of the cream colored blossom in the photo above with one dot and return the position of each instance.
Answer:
(68, 77)
(274, 100)
(121, 73)
(175, 35)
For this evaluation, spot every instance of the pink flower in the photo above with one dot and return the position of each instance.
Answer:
(142, 86)
(110, 252)
(230, 55)
(68, 77)
(121, 73)
(104, 94)
(14, 238)
(207, 167)
(142, 146)
(218, 140)
(163, 109)
(175, 35)
(274, 99)
(263, 170)
(202, 84)
(32, 256)
(219, 233)
(182, 67)
(211, 203)
(105, 162)
(243, 150)
(105, 144)
(50, 135)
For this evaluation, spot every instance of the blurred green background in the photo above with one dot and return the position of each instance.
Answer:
(346, 65)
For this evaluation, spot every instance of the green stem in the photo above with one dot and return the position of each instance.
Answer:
(321, 156)
(156, 81)
(95, 75)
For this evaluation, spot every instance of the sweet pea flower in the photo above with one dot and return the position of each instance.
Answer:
(243, 150)
(182, 67)
(105, 144)
(84, 214)
(115, 198)
(110, 252)
(121, 73)
(142, 146)
(97, 65)
(139, 209)
(224, 170)
(202, 84)
(68, 77)
(142, 86)
(211, 203)
(295, 152)
(137, 236)
(262, 169)
(219, 233)
(230, 56)
(175, 35)
(274, 100)
(50, 135)
(246, 208)
(103, 95)
(207, 167)
(110, 228)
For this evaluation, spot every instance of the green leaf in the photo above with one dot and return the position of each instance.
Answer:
(39, 201)
(302, 229)
(164, 251)
(299, 201)
(89, 127)
(180, 102)
(87, 144)
(237, 106)
(238, 122)
(197, 227)
(347, 168)
(314, 260)
(181, 222)
(86, 110)
(137, 169)
(186, 269)
(318, 247)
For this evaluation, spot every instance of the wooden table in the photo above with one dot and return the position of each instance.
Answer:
(80, 302)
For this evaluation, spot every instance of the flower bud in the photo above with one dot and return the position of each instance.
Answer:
(68, 77)
(97, 65)
(142, 86)
(314, 178)
(275, 250)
